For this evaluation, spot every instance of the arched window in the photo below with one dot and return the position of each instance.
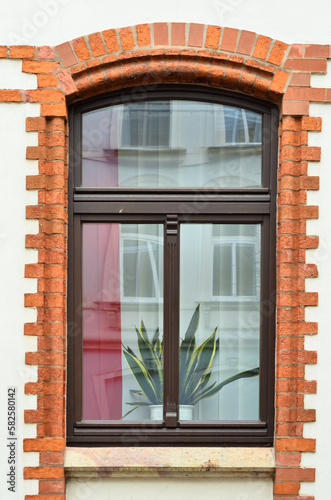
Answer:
(172, 268)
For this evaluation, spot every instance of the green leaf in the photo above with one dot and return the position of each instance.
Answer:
(136, 392)
(141, 375)
(187, 350)
(254, 372)
(150, 363)
(156, 337)
(187, 376)
(210, 391)
(137, 405)
(202, 382)
(206, 353)
(129, 350)
(143, 331)
(149, 360)
(205, 379)
(193, 325)
(145, 350)
(204, 360)
(158, 349)
(204, 394)
(200, 364)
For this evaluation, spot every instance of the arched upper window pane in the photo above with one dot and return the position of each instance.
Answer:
(171, 144)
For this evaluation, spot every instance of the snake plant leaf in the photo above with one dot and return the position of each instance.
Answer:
(202, 394)
(193, 325)
(205, 380)
(210, 391)
(137, 405)
(158, 349)
(201, 363)
(202, 382)
(206, 353)
(157, 345)
(129, 350)
(187, 358)
(136, 392)
(199, 384)
(188, 344)
(187, 347)
(189, 374)
(143, 331)
(145, 351)
(142, 377)
(155, 338)
(254, 372)
(149, 360)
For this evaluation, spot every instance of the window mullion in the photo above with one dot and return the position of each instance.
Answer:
(171, 322)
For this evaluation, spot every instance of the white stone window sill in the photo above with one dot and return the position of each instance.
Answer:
(169, 462)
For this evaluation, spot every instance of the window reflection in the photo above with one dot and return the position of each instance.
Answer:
(172, 143)
(142, 257)
(236, 261)
(146, 124)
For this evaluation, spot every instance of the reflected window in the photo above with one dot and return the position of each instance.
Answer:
(142, 269)
(236, 262)
(146, 124)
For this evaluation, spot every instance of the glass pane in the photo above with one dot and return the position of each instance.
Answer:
(171, 143)
(220, 309)
(122, 296)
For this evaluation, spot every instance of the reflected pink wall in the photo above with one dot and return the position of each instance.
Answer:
(102, 383)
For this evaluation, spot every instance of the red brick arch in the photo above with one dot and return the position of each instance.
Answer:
(183, 53)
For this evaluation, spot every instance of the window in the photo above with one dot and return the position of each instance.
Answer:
(236, 262)
(171, 268)
(141, 264)
(145, 124)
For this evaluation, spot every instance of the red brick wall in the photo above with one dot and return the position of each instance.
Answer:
(220, 57)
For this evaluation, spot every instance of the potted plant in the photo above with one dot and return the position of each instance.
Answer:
(195, 367)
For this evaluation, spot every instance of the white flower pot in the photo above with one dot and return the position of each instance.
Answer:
(185, 412)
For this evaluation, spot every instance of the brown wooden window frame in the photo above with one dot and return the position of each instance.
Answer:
(160, 205)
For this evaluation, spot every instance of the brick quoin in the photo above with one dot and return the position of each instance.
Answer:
(220, 57)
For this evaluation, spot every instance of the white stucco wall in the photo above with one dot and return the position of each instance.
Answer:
(321, 342)
(156, 489)
(50, 22)
(13, 226)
